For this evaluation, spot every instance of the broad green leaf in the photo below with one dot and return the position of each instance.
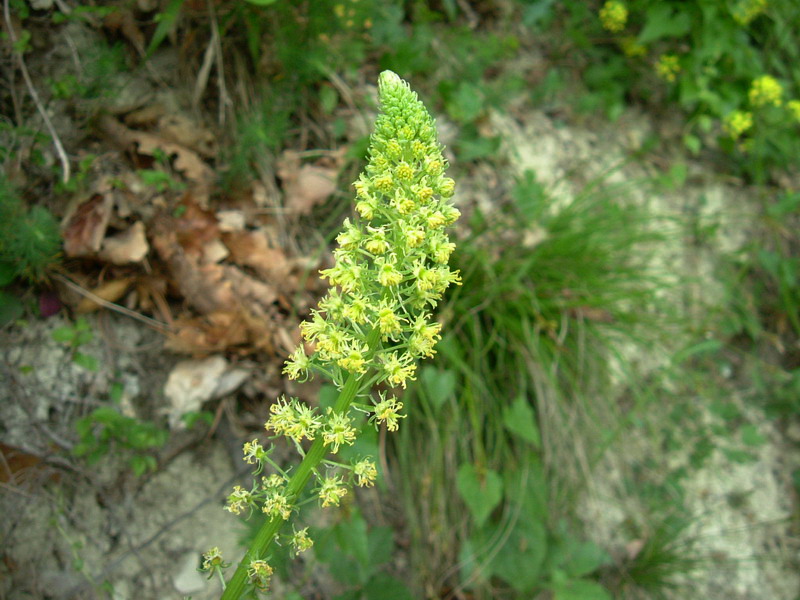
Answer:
(90, 363)
(751, 436)
(585, 558)
(386, 587)
(438, 385)
(64, 335)
(663, 21)
(580, 589)
(11, 308)
(480, 492)
(519, 562)
(520, 419)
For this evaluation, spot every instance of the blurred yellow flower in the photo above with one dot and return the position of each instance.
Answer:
(766, 90)
(668, 66)
(794, 109)
(737, 123)
(631, 48)
(613, 16)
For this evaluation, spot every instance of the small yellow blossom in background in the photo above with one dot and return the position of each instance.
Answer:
(238, 500)
(737, 123)
(631, 48)
(301, 542)
(747, 10)
(366, 472)
(668, 66)
(332, 490)
(794, 109)
(613, 16)
(766, 90)
(259, 574)
(212, 558)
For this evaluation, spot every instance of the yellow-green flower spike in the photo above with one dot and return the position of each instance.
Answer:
(390, 270)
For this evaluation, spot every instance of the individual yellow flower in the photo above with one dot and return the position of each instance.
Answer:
(366, 472)
(277, 505)
(301, 542)
(737, 123)
(766, 90)
(238, 500)
(668, 66)
(794, 109)
(387, 411)
(331, 491)
(259, 574)
(613, 16)
(212, 559)
(338, 430)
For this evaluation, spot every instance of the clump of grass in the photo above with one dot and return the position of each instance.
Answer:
(546, 306)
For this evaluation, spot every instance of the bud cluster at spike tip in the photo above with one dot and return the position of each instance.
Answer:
(391, 261)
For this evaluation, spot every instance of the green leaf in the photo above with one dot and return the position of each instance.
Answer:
(664, 21)
(381, 545)
(751, 436)
(519, 562)
(328, 99)
(520, 419)
(481, 493)
(386, 587)
(580, 589)
(585, 558)
(64, 335)
(166, 21)
(7, 273)
(11, 307)
(261, 2)
(90, 363)
(438, 385)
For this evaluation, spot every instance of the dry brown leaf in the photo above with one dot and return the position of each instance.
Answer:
(130, 246)
(305, 186)
(185, 132)
(84, 227)
(123, 20)
(252, 249)
(110, 291)
(187, 161)
(215, 332)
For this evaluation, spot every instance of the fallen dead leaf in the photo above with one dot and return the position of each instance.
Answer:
(130, 246)
(252, 249)
(186, 161)
(210, 333)
(110, 291)
(307, 185)
(84, 227)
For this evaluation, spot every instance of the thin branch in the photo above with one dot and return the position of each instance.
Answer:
(62, 155)
(161, 326)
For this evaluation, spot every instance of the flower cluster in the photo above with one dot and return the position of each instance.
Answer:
(391, 262)
(613, 16)
(737, 123)
(765, 90)
(747, 10)
(794, 109)
(668, 66)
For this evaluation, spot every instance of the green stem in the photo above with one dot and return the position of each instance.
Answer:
(261, 543)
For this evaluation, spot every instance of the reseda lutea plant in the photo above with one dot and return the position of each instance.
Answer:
(375, 323)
